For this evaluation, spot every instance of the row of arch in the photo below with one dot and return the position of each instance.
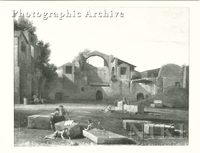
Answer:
(99, 96)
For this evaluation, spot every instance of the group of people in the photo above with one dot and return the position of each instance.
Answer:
(60, 115)
(37, 100)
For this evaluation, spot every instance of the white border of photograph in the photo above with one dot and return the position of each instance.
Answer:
(7, 91)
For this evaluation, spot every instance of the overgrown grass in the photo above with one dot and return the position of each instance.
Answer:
(110, 121)
(177, 97)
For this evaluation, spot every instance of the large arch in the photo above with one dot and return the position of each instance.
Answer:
(96, 61)
(96, 53)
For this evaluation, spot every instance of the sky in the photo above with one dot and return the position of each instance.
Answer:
(145, 37)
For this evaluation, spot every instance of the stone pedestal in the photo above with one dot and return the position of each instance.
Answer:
(152, 105)
(39, 122)
(120, 106)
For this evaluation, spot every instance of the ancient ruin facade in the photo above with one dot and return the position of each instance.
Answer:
(26, 76)
(115, 80)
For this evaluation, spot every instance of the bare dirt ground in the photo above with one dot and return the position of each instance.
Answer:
(81, 111)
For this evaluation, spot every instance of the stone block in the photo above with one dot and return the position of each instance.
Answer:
(157, 102)
(139, 124)
(74, 128)
(39, 122)
(120, 106)
(127, 108)
(105, 137)
(136, 109)
(165, 104)
(158, 105)
(152, 105)
(158, 129)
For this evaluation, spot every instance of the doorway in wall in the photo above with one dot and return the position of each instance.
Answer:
(140, 96)
(58, 96)
(99, 95)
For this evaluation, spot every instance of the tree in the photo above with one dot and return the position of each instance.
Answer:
(48, 70)
(24, 24)
(81, 58)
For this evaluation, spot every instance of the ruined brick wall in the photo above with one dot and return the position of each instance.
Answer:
(127, 74)
(16, 73)
(25, 75)
(21, 68)
(145, 89)
(72, 90)
(150, 73)
(17, 85)
(171, 76)
(186, 77)
(88, 81)
(96, 75)
(171, 82)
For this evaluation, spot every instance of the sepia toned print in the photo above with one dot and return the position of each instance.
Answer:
(101, 76)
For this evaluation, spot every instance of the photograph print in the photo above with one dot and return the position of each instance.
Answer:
(101, 76)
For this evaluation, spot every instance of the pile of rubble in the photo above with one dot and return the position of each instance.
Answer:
(129, 108)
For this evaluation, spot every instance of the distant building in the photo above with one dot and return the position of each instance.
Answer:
(158, 80)
(115, 80)
(26, 76)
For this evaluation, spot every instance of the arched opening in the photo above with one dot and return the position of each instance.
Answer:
(99, 95)
(96, 61)
(58, 96)
(140, 96)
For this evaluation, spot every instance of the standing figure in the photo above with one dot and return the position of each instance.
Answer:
(34, 98)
